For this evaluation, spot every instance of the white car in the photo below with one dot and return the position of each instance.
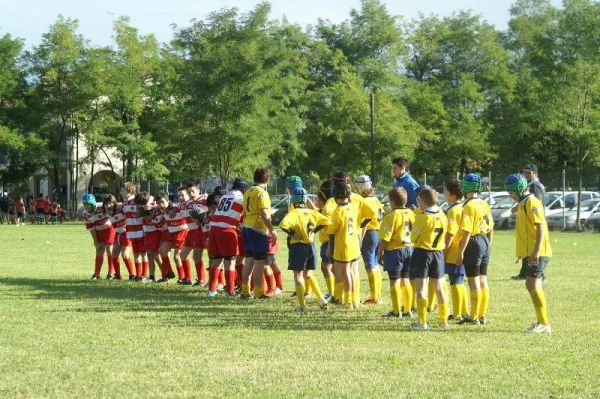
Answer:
(501, 211)
(588, 208)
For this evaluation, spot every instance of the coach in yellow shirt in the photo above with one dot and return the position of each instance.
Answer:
(533, 245)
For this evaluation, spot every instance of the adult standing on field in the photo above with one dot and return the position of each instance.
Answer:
(403, 179)
(537, 189)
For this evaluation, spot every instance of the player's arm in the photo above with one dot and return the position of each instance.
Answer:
(266, 219)
(534, 258)
(382, 245)
(464, 241)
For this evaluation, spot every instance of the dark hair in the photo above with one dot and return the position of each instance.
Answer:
(428, 197)
(401, 161)
(191, 184)
(454, 188)
(261, 175)
(326, 190)
(398, 196)
(341, 190)
(342, 177)
(109, 200)
(142, 198)
(181, 188)
(211, 200)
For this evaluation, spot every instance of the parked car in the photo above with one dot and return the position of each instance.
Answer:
(280, 208)
(494, 197)
(555, 203)
(501, 211)
(593, 222)
(588, 208)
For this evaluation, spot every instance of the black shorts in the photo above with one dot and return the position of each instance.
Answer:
(477, 256)
(396, 275)
(426, 263)
(536, 271)
(302, 257)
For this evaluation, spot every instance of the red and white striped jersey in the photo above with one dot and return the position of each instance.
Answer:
(178, 222)
(133, 223)
(189, 205)
(205, 225)
(154, 222)
(118, 219)
(96, 219)
(229, 211)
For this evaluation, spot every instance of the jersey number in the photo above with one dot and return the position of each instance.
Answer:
(309, 229)
(350, 226)
(225, 204)
(439, 232)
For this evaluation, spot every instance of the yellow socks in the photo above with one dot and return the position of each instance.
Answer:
(395, 293)
(422, 310)
(443, 312)
(475, 304)
(456, 299)
(300, 291)
(246, 289)
(314, 285)
(338, 291)
(407, 298)
(379, 281)
(330, 281)
(307, 288)
(539, 303)
(258, 291)
(485, 301)
(372, 283)
(347, 299)
(464, 303)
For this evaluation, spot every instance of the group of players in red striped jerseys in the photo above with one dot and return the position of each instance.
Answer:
(148, 232)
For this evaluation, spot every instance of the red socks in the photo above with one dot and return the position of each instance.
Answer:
(145, 269)
(98, 265)
(270, 282)
(166, 265)
(222, 277)
(111, 266)
(180, 273)
(213, 278)
(200, 272)
(238, 274)
(129, 265)
(278, 280)
(117, 266)
(230, 281)
(187, 269)
(138, 269)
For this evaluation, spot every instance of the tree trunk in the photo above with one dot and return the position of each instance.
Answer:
(578, 225)
(75, 186)
(92, 161)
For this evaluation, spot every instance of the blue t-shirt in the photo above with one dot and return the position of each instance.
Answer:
(407, 182)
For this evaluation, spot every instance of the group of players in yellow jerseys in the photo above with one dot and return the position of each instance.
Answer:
(416, 245)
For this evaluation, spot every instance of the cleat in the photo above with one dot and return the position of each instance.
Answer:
(95, 277)
(245, 297)
(323, 304)
(186, 282)
(454, 318)
(278, 291)
(293, 294)
(144, 280)
(270, 293)
(299, 309)
(334, 301)
(212, 294)
(370, 301)
(391, 314)
(138, 279)
(201, 283)
(170, 276)
(118, 277)
(132, 277)
(265, 296)
(408, 315)
(220, 287)
(152, 278)
(468, 321)
(328, 297)
(110, 277)
(444, 326)
(533, 326)
(541, 329)
(483, 320)
(418, 326)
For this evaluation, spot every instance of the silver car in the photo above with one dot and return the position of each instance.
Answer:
(588, 208)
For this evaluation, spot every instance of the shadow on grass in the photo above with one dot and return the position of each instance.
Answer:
(189, 307)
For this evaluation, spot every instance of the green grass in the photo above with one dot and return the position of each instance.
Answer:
(64, 336)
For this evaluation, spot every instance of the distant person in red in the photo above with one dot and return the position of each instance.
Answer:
(39, 209)
(47, 206)
(20, 211)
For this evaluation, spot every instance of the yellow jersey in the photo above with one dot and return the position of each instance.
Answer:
(530, 212)
(326, 211)
(396, 227)
(346, 231)
(301, 222)
(454, 216)
(374, 203)
(429, 229)
(476, 217)
(256, 198)
(363, 209)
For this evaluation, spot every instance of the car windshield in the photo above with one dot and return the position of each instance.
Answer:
(589, 205)
(503, 203)
(549, 198)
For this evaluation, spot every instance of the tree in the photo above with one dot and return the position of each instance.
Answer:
(238, 91)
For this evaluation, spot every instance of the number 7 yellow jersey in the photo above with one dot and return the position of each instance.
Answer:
(429, 229)
(345, 229)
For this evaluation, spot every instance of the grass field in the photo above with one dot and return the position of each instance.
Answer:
(62, 335)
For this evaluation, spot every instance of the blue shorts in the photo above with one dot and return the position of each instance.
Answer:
(324, 258)
(536, 271)
(256, 244)
(397, 260)
(477, 256)
(368, 249)
(426, 263)
(302, 257)
(453, 269)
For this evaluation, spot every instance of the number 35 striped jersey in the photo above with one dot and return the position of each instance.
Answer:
(429, 229)
(229, 211)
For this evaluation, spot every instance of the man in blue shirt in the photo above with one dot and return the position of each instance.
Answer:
(403, 179)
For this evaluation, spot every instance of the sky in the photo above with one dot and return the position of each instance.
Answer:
(29, 19)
